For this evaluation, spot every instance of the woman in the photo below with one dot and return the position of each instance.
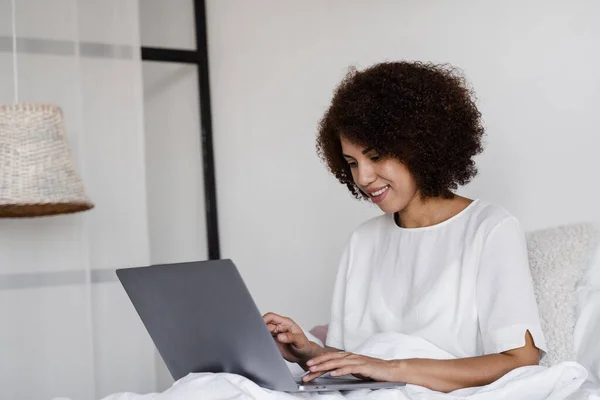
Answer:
(448, 269)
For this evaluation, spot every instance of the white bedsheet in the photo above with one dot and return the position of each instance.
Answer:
(562, 381)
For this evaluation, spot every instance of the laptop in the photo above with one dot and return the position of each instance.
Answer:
(202, 318)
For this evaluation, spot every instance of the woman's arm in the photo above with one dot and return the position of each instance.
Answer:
(449, 375)
(440, 375)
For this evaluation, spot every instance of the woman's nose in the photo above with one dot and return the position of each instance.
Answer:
(365, 175)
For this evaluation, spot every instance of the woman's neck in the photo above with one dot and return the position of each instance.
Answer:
(419, 213)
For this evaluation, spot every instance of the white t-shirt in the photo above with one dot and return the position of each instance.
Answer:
(463, 285)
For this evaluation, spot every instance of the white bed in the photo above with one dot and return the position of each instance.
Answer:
(567, 380)
(566, 271)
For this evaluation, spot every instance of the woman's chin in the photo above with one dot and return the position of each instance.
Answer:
(386, 207)
(390, 207)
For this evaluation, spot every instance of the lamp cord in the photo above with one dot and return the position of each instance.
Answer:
(14, 46)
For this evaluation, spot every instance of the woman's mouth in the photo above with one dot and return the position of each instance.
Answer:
(378, 195)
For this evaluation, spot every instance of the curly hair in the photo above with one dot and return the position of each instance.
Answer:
(422, 114)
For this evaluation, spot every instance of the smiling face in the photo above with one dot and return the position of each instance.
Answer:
(386, 181)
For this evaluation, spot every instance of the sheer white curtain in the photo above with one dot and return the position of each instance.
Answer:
(67, 327)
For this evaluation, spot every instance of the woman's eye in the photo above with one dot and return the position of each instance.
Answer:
(352, 164)
(375, 158)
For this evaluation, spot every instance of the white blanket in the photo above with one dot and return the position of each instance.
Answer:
(562, 381)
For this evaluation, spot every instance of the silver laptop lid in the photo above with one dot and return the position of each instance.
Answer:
(202, 318)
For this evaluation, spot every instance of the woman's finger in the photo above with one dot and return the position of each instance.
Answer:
(272, 328)
(327, 357)
(335, 364)
(276, 323)
(312, 375)
(276, 319)
(285, 338)
(297, 341)
(359, 369)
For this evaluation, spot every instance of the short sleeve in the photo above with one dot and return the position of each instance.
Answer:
(506, 302)
(335, 333)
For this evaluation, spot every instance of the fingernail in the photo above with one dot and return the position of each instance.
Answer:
(310, 362)
(313, 368)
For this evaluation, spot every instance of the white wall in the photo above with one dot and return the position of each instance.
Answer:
(174, 163)
(168, 24)
(283, 219)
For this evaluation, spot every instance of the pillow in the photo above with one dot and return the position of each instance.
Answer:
(558, 259)
(587, 325)
(320, 332)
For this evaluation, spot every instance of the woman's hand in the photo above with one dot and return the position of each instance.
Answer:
(291, 340)
(344, 363)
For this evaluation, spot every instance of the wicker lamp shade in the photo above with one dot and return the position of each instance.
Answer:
(37, 174)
